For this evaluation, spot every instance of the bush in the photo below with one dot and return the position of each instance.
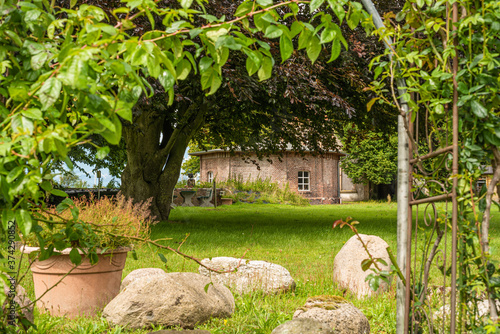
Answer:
(260, 191)
(109, 222)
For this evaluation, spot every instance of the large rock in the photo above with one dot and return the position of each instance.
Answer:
(342, 316)
(303, 326)
(347, 270)
(144, 274)
(21, 299)
(250, 275)
(176, 299)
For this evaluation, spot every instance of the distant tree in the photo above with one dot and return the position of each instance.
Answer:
(192, 164)
(71, 180)
(112, 184)
(371, 155)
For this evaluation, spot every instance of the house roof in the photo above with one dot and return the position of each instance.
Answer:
(288, 149)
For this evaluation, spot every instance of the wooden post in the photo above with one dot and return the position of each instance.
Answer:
(214, 191)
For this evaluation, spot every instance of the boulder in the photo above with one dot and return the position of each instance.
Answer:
(342, 316)
(302, 326)
(249, 276)
(188, 331)
(347, 270)
(20, 298)
(174, 299)
(144, 274)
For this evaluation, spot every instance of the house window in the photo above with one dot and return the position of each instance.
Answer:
(210, 177)
(303, 181)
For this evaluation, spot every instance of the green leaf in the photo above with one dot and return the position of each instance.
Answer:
(162, 258)
(183, 69)
(286, 47)
(49, 93)
(15, 37)
(114, 134)
(478, 109)
(24, 221)
(365, 265)
(265, 3)
(251, 66)
(75, 257)
(210, 78)
(102, 152)
(335, 50)
(7, 216)
(439, 109)
(205, 64)
(338, 10)
(370, 104)
(327, 35)
(273, 32)
(313, 49)
(463, 88)
(21, 124)
(134, 254)
(304, 38)
(33, 113)
(244, 8)
(57, 192)
(207, 286)
(296, 29)
(374, 282)
(194, 32)
(14, 173)
(315, 4)
(216, 33)
(38, 60)
(491, 138)
(33, 47)
(186, 4)
(166, 79)
(266, 69)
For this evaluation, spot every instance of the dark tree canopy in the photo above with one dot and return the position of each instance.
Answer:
(303, 104)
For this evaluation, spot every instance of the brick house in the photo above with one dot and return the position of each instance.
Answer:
(318, 178)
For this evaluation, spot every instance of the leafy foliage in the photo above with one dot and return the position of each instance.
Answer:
(69, 74)
(70, 180)
(372, 156)
(451, 67)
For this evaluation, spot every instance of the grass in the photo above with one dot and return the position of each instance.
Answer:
(299, 238)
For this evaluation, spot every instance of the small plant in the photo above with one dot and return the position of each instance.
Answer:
(88, 223)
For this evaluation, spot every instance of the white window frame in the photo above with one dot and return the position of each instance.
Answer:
(304, 180)
(210, 176)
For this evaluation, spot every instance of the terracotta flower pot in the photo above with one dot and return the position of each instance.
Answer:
(84, 291)
(227, 201)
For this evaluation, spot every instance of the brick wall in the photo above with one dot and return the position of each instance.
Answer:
(323, 171)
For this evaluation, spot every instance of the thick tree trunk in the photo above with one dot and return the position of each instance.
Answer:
(155, 150)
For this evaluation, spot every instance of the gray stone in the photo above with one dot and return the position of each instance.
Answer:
(176, 299)
(188, 331)
(342, 316)
(144, 274)
(249, 276)
(21, 299)
(303, 326)
(347, 270)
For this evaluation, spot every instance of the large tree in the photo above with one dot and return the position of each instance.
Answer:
(302, 103)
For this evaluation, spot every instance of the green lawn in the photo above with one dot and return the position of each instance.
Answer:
(299, 238)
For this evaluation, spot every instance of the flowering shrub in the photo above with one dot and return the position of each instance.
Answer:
(107, 223)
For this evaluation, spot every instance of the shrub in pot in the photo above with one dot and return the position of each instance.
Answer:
(79, 255)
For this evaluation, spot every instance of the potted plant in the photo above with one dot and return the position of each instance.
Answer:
(79, 255)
